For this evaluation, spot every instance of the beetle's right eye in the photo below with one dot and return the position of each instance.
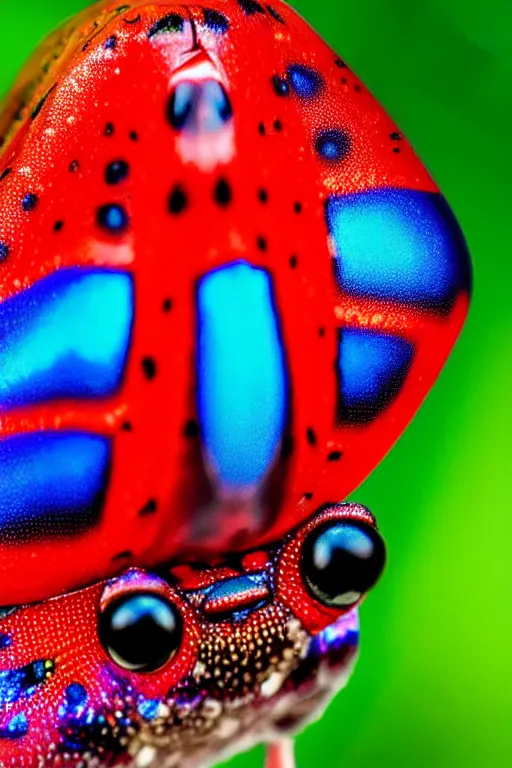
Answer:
(141, 631)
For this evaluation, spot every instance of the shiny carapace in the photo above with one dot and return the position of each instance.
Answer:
(226, 285)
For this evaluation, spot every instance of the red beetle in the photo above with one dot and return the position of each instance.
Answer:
(226, 285)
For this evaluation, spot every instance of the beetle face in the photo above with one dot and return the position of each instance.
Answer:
(177, 666)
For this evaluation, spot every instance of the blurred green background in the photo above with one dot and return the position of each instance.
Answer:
(434, 683)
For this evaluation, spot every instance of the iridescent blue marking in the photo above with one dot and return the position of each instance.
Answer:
(51, 483)
(76, 696)
(148, 708)
(15, 683)
(242, 379)
(17, 727)
(372, 369)
(305, 81)
(5, 641)
(66, 336)
(398, 244)
(238, 585)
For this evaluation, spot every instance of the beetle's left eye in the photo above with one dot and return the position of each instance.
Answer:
(141, 631)
(341, 560)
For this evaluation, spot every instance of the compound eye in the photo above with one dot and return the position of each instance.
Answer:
(341, 561)
(141, 631)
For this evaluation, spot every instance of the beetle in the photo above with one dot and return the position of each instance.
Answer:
(226, 285)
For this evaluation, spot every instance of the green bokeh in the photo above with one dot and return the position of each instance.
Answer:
(434, 684)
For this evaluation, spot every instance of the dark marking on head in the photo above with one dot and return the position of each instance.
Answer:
(250, 7)
(216, 21)
(4, 252)
(167, 305)
(297, 207)
(112, 217)
(305, 81)
(116, 172)
(263, 195)
(5, 173)
(333, 145)
(222, 193)
(37, 109)
(311, 436)
(334, 456)
(178, 200)
(395, 136)
(278, 126)
(262, 243)
(280, 85)
(126, 426)
(173, 22)
(293, 261)
(109, 129)
(321, 332)
(110, 43)
(74, 166)
(126, 555)
(357, 88)
(148, 368)
(30, 201)
(340, 63)
(275, 15)
(308, 496)
(191, 429)
(133, 136)
(58, 225)
(261, 129)
(396, 150)
(149, 508)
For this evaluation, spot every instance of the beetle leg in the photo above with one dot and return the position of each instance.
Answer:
(280, 754)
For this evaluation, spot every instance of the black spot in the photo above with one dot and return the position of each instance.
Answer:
(117, 171)
(74, 166)
(334, 456)
(293, 262)
(149, 368)
(396, 150)
(308, 496)
(311, 436)
(113, 218)
(280, 85)
(395, 136)
(148, 509)
(58, 226)
(191, 429)
(357, 88)
(216, 21)
(4, 251)
(110, 43)
(173, 22)
(29, 202)
(275, 15)
(41, 103)
(333, 144)
(167, 305)
(134, 20)
(134, 136)
(5, 173)
(321, 332)
(261, 129)
(109, 129)
(344, 80)
(262, 243)
(340, 63)
(126, 426)
(297, 207)
(250, 7)
(278, 126)
(222, 193)
(126, 555)
(263, 196)
(178, 200)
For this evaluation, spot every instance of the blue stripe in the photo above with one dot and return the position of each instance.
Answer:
(51, 483)
(66, 336)
(372, 370)
(242, 381)
(398, 244)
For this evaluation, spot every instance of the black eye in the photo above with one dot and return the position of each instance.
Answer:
(141, 631)
(341, 561)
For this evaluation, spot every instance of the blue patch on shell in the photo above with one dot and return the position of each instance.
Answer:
(242, 378)
(372, 368)
(16, 728)
(66, 336)
(398, 244)
(51, 483)
(305, 81)
(25, 681)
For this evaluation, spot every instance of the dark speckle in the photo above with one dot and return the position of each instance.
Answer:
(113, 218)
(278, 126)
(261, 129)
(334, 456)
(308, 496)
(126, 555)
(357, 88)
(321, 332)
(40, 104)
(311, 436)
(134, 136)
(396, 150)
(250, 7)
(148, 509)
(167, 305)
(275, 15)
(222, 193)
(178, 200)
(340, 63)
(74, 166)
(29, 202)
(293, 262)
(117, 171)
(4, 251)
(149, 368)
(110, 43)
(280, 85)
(333, 144)
(395, 136)
(263, 196)
(191, 429)
(262, 243)
(57, 227)
(5, 173)
(297, 207)
(216, 21)
(109, 129)
(126, 426)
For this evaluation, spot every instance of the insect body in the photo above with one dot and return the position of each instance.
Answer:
(226, 285)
